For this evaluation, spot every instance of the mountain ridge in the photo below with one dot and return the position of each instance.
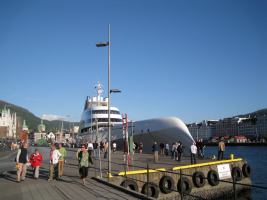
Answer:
(33, 121)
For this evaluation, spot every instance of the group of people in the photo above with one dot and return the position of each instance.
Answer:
(56, 162)
(176, 151)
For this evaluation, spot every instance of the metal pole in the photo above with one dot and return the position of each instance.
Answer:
(91, 124)
(98, 148)
(109, 130)
(182, 195)
(147, 179)
(132, 146)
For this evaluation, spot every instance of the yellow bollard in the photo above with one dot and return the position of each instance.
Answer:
(232, 156)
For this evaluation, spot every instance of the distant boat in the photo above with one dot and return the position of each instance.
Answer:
(163, 130)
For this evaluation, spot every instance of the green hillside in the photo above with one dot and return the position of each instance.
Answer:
(32, 121)
(256, 113)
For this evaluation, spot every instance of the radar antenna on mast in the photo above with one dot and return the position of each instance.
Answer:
(99, 89)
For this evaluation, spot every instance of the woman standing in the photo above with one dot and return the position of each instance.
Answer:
(36, 161)
(21, 162)
(83, 158)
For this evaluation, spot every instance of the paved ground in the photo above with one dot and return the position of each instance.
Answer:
(69, 187)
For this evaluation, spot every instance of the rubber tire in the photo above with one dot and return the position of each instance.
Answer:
(199, 179)
(166, 181)
(132, 185)
(153, 189)
(246, 170)
(184, 185)
(237, 173)
(213, 178)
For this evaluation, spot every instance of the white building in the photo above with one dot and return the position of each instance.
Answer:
(38, 136)
(9, 121)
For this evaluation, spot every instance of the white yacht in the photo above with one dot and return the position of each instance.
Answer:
(94, 125)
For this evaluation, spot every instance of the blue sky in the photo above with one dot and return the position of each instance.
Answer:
(191, 59)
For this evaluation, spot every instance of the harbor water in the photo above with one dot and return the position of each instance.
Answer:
(257, 159)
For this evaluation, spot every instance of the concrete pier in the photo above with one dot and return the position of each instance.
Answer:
(103, 186)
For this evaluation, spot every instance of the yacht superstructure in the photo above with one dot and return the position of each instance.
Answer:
(94, 125)
(95, 115)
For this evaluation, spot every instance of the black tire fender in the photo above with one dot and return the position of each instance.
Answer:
(246, 170)
(166, 184)
(184, 185)
(150, 189)
(237, 173)
(213, 178)
(199, 179)
(132, 185)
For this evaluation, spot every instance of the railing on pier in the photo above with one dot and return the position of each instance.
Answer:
(148, 170)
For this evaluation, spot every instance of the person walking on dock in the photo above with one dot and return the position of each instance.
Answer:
(61, 160)
(180, 150)
(106, 150)
(155, 149)
(36, 160)
(140, 146)
(53, 160)
(221, 149)
(167, 149)
(193, 153)
(21, 162)
(83, 159)
(161, 145)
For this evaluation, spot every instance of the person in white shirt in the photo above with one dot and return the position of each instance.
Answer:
(193, 153)
(53, 160)
(114, 146)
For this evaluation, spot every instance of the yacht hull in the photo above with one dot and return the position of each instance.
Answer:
(162, 130)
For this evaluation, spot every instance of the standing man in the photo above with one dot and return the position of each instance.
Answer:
(53, 167)
(221, 149)
(21, 162)
(61, 160)
(193, 153)
(114, 146)
(161, 145)
(180, 150)
(140, 146)
(155, 149)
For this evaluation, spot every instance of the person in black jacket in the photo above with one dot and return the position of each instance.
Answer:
(21, 162)
(180, 150)
(155, 149)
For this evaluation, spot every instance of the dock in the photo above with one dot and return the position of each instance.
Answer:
(101, 185)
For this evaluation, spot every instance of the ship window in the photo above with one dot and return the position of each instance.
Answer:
(106, 120)
(105, 112)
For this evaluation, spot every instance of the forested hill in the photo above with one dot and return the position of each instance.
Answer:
(256, 113)
(33, 121)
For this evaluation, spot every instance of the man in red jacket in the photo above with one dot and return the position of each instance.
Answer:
(36, 161)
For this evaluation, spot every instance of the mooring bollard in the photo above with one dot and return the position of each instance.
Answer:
(232, 156)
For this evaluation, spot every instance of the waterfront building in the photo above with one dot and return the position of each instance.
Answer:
(261, 125)
(8, 123)
(252, 127)
(202, 130)
(38, 136)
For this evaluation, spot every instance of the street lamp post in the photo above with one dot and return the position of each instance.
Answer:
(104, 44)
(109, 130)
